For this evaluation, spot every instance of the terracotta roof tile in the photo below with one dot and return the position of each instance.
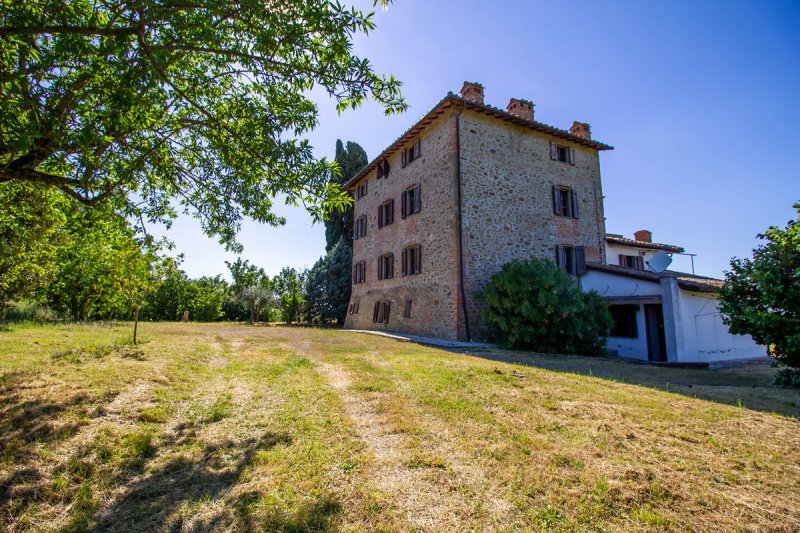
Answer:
(453, 100)
(690, 282)
(619, 239)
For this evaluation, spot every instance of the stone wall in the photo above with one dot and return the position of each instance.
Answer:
(434, 291)
(507, 180)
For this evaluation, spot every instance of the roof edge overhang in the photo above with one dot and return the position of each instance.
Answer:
(451, 101)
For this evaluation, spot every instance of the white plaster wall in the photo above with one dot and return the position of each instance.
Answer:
(613, 251)
(611, 285)
(705, 337)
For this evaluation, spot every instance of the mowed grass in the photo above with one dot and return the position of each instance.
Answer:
(229, 427)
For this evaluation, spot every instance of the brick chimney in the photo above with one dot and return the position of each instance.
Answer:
(643, 235)
(472, 92)
(581, 129)
(521, 108)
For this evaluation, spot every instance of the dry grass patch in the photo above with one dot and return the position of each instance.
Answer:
(228, 427)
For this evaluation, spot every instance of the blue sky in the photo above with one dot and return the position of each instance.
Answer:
(699, 99)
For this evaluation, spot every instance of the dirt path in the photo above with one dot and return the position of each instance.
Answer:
(428, 497)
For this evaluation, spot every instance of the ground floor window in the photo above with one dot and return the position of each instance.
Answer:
(624, 317)
(354, 308)
(380, 313)
(407, 309)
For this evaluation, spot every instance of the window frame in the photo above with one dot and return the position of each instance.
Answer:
(411, 201)
(386, 213)
(412, 260)
(359, 272)
(407, 309)
(631, 325)
(386, 266)
(381, 311)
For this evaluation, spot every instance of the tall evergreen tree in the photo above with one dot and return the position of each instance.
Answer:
(350, 160)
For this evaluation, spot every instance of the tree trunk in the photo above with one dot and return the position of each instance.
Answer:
(135, 322)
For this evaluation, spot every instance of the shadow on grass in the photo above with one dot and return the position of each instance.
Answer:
(750, 386)
(204, 476)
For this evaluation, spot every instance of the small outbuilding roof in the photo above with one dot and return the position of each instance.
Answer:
(613, 238)
(690, 282)
(452, 100)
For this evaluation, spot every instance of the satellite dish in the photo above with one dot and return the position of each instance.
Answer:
(660, 261)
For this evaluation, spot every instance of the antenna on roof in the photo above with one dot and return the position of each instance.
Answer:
(660, 261)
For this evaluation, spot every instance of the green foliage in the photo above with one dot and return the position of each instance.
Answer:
(288, 286)
(761, 296)
(534, 305)
(327, 286)
(102, 268)
(251, 294)
(340, 224)
(152, 106)
(30, 219)
(203, 297)
(788, 377)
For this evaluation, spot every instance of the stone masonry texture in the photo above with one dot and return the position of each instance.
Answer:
(507, 178)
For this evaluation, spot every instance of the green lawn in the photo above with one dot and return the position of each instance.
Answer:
(229, 427)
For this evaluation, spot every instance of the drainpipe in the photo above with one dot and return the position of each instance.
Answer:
(460, 227)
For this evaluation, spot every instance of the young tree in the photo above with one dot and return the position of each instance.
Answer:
(148, 104)
(535, 305)
(761, 296)
(251, 291)
(288, 285)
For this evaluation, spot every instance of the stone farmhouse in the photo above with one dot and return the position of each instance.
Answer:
(466, 189)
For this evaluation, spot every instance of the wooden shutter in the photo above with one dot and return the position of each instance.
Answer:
(571, 156)
(391, 212)
(404, 262)
(364, 225)
(380, 267)
(553, 151)
(404, 158)
(355, 274)
(558, 255)
(580, 260)
(622, 261)
(390, 261)
(418, 260)
(403, 204)
(386, 168)
(380, 171)
(417, 146)
(387, 306)
(375, 312)
(640, 262)
(417, 199)
(380, 216)
(556, 200)
(575, 212)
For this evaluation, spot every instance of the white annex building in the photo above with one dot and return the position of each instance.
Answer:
(667, 316)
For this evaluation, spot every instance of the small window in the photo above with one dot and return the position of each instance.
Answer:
(361, 191)
(565, 201)
(410, 201)
(562, 154)
(407, 309)
(360, 227)
(359, 272)
(412, 260)
(631, 261)
(380, 313)
(624, 317)
(386, 266)
(410, 154)
(383, 169)
(386, 213)
(354, 308)
(572, 259)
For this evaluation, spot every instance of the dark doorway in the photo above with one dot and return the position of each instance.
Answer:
(654, 325)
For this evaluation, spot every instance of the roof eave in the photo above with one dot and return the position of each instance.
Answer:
(452, 99)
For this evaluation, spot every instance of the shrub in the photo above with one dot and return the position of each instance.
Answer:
(534, 305)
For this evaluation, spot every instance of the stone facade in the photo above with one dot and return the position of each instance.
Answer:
(433, 292)
(507, 189)
(506, 212)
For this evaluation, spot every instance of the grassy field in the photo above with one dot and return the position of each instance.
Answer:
(229, 427)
